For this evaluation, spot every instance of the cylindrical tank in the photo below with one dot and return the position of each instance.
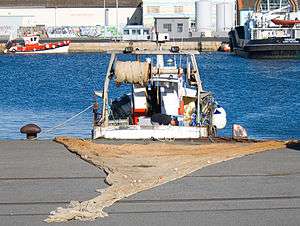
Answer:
(106, 17)
(203, 15)
(225, 16)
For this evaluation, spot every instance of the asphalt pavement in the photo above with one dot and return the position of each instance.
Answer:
(261, 189)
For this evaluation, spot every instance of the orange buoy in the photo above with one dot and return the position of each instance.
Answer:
(181, 108)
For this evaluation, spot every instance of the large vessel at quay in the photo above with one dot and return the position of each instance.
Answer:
(271, 34)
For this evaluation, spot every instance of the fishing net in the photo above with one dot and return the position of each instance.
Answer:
(134, 72)
(132, 168)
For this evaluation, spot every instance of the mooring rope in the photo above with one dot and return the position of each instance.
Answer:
(68, 120)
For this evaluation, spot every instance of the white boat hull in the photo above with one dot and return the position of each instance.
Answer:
(62, 49)
(149, 132)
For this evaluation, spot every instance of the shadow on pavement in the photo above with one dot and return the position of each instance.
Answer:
(294, 144)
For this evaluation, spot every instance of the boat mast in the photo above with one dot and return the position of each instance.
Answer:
(105, 112)
(199, 84)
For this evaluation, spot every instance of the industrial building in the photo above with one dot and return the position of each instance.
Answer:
(94, 17)
(67, 3)
(176, 27)
(162, 8)
(207, 17)
(67, 13)
(117, 13)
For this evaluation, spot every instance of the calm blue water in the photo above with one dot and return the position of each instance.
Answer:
(263, 96)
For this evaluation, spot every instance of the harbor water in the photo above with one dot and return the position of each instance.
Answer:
(261, 95)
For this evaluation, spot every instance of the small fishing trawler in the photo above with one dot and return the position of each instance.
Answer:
(32, 45)
(167, 99)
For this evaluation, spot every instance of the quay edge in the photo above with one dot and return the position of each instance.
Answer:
(86, 46)
(119, 46)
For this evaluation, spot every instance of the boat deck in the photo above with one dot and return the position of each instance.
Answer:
(262, 189)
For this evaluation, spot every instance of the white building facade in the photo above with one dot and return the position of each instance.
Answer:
(165, 8)
(186, 8)
(64, 16)
(64, 22)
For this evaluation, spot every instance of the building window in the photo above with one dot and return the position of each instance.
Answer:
(133, 32)
(178, 9)
(179, 28)
(138, 32)
(153, 9)
(167, 27)
(126, 32)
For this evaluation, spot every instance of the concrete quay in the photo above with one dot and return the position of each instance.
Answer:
(119, 46)
(261, 189)
(92, 45)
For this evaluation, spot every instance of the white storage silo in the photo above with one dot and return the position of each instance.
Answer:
(225, 16)
(203, 16)
(106, 17)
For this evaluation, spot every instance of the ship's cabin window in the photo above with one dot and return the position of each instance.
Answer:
(268, 5)
(33, 39)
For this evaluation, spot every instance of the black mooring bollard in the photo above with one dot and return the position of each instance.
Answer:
(31, 131)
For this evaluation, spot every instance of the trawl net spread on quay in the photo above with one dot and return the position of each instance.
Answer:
(132, 168)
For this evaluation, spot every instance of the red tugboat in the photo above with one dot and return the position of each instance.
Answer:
(32, 45)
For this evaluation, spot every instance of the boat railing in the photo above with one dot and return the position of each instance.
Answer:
(284, 32)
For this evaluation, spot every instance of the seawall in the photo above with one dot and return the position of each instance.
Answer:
(119, 46)
(85, 46)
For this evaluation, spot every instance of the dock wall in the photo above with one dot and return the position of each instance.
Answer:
(84, 47)
(119, 46)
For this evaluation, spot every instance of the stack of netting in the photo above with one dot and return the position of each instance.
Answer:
(132, 72)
